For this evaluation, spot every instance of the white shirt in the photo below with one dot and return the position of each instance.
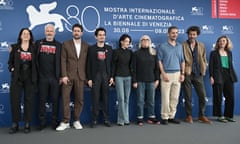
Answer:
(78, 47)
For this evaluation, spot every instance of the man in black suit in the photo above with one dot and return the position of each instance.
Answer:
(98, 75)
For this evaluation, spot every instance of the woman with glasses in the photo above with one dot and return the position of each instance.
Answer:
(145, 79)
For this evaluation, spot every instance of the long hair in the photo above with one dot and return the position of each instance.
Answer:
(19, 40)
(229, 45)
(152, 51)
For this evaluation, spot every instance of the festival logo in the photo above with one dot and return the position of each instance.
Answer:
(1, 67)
(71, 104)
(0, 25)
(48, 107)
(43, 16)
(4, 46)
(22, 108)
(6, 5)
(226, 29)
(197, 11)
(4, 88)
(207, 29)
(2, 109)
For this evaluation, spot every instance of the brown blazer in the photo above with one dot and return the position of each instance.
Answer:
(71, 65)
(202, 60)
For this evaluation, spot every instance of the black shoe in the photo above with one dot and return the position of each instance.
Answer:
(174, 121)
(42, 126)
(120, 124)
(153, 121)
(107, 123)
(93, 124)
(27, 129)
(165, 122)
(140, 121)
(13, 130)
(127, 124)
(54, 125)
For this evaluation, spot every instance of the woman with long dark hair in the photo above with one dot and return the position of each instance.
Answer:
(21, 64)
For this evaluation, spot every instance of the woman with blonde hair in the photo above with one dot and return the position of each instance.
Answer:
(145, 79)
(222, 79)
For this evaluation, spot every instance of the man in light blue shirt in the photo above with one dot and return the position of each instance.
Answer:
(171, 63)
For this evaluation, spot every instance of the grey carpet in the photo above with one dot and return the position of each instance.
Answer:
(196, 133)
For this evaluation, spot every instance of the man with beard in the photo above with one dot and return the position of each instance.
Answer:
(73, 63)
(195, 69)
(48, 51)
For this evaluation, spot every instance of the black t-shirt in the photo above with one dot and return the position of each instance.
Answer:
(26, 64)
(46, 59)
(101, 57)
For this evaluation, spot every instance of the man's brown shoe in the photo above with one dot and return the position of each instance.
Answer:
(204, 119)
(189, 119)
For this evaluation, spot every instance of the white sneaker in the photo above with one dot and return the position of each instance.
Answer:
(77, 125)
(63, 126)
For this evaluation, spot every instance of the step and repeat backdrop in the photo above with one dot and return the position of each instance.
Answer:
(136, 18)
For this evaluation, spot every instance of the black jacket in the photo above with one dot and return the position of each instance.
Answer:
(216, 70)
(92, 61)
(14, 62)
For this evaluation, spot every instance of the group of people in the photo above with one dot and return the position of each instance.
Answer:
(52, 68)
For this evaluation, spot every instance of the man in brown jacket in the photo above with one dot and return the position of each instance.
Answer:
(73, 68)
(195, 69)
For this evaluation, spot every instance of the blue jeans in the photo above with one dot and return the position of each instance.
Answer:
(149, 89)
(123, 88)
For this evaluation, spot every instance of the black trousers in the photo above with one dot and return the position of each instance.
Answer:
(226, 89)
(100, 94)
(197, 82)
(48, 90)
(16, 89)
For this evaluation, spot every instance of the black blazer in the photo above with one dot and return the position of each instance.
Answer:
(57, 56)
(14, 62)
(92, 61)
(216, 70)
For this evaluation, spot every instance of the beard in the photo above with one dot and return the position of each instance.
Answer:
(76, 37)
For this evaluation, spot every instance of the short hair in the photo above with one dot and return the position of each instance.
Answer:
(194, 28)
(77, 25)
(122, 38)
(229, 45)
(49, 25)
(99, 29)
(171, 28)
